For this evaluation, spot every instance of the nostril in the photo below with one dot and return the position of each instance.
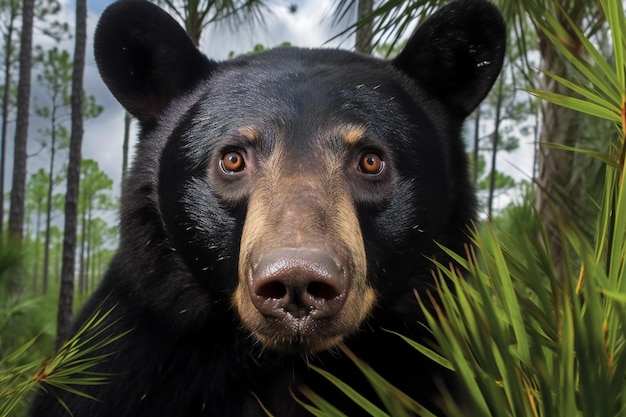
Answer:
(273, 289)
(322, 290)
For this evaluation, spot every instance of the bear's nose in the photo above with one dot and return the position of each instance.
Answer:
(299, 282)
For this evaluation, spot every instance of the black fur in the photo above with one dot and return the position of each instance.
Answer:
(174, 274)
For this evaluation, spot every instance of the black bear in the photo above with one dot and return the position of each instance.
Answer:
(280, 205)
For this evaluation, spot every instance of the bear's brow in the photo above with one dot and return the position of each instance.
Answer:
(352, 133)
(251, 133)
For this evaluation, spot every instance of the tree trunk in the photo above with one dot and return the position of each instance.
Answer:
(46, 248)
(555, 167)
(88, 251)
(194, 22)
(6, 94)
(476, 150)
(83, 239)
(364, 31)
(16, 212)
(494, 146)
(37, 245)
(66, 297)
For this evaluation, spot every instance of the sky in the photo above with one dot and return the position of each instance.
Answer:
(309, 27)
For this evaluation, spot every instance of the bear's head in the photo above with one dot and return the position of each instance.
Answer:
(298, 191)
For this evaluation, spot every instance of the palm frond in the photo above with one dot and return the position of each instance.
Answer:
(391, 19)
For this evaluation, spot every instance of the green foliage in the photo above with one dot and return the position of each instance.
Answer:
(391, 19)
(95, 234)
(10, 259)
(502, 181)
(198, 15)
(395, 403)
(525, 337)
(20, 318)
(44, 11)
(71, 366)
(27, 335)
(257, 49)
(55, 78)
(23, 318)
(387, 51)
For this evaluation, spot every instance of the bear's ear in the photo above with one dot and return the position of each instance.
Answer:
(146, 58)
(457, 53)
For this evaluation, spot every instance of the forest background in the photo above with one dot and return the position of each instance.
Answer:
(48, 278)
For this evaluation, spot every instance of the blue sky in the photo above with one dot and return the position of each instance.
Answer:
(97, 6)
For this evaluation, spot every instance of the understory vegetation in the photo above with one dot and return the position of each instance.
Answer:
(527, 333)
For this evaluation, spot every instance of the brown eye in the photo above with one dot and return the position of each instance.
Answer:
(371, 163)
(232, 162)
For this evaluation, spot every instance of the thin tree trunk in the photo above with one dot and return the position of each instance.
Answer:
(536, 131)
(364, 31)
(476, 149)
(16, 212)
(37, 244)
(193, 22)
(494, 148)
(66, 298)
(58, 263)
(46, 253)
(88, 251)
(95, 260)
(6, 93)
(81, 255)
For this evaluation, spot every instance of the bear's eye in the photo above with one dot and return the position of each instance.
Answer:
(232, 162)
(371, 163)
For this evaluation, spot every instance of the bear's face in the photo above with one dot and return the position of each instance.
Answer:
(302, 188)
(297, 160)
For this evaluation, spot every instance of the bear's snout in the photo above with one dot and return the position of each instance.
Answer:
(302, 265)
(299, 283)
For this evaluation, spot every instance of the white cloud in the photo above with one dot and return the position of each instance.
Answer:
(308, 27)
